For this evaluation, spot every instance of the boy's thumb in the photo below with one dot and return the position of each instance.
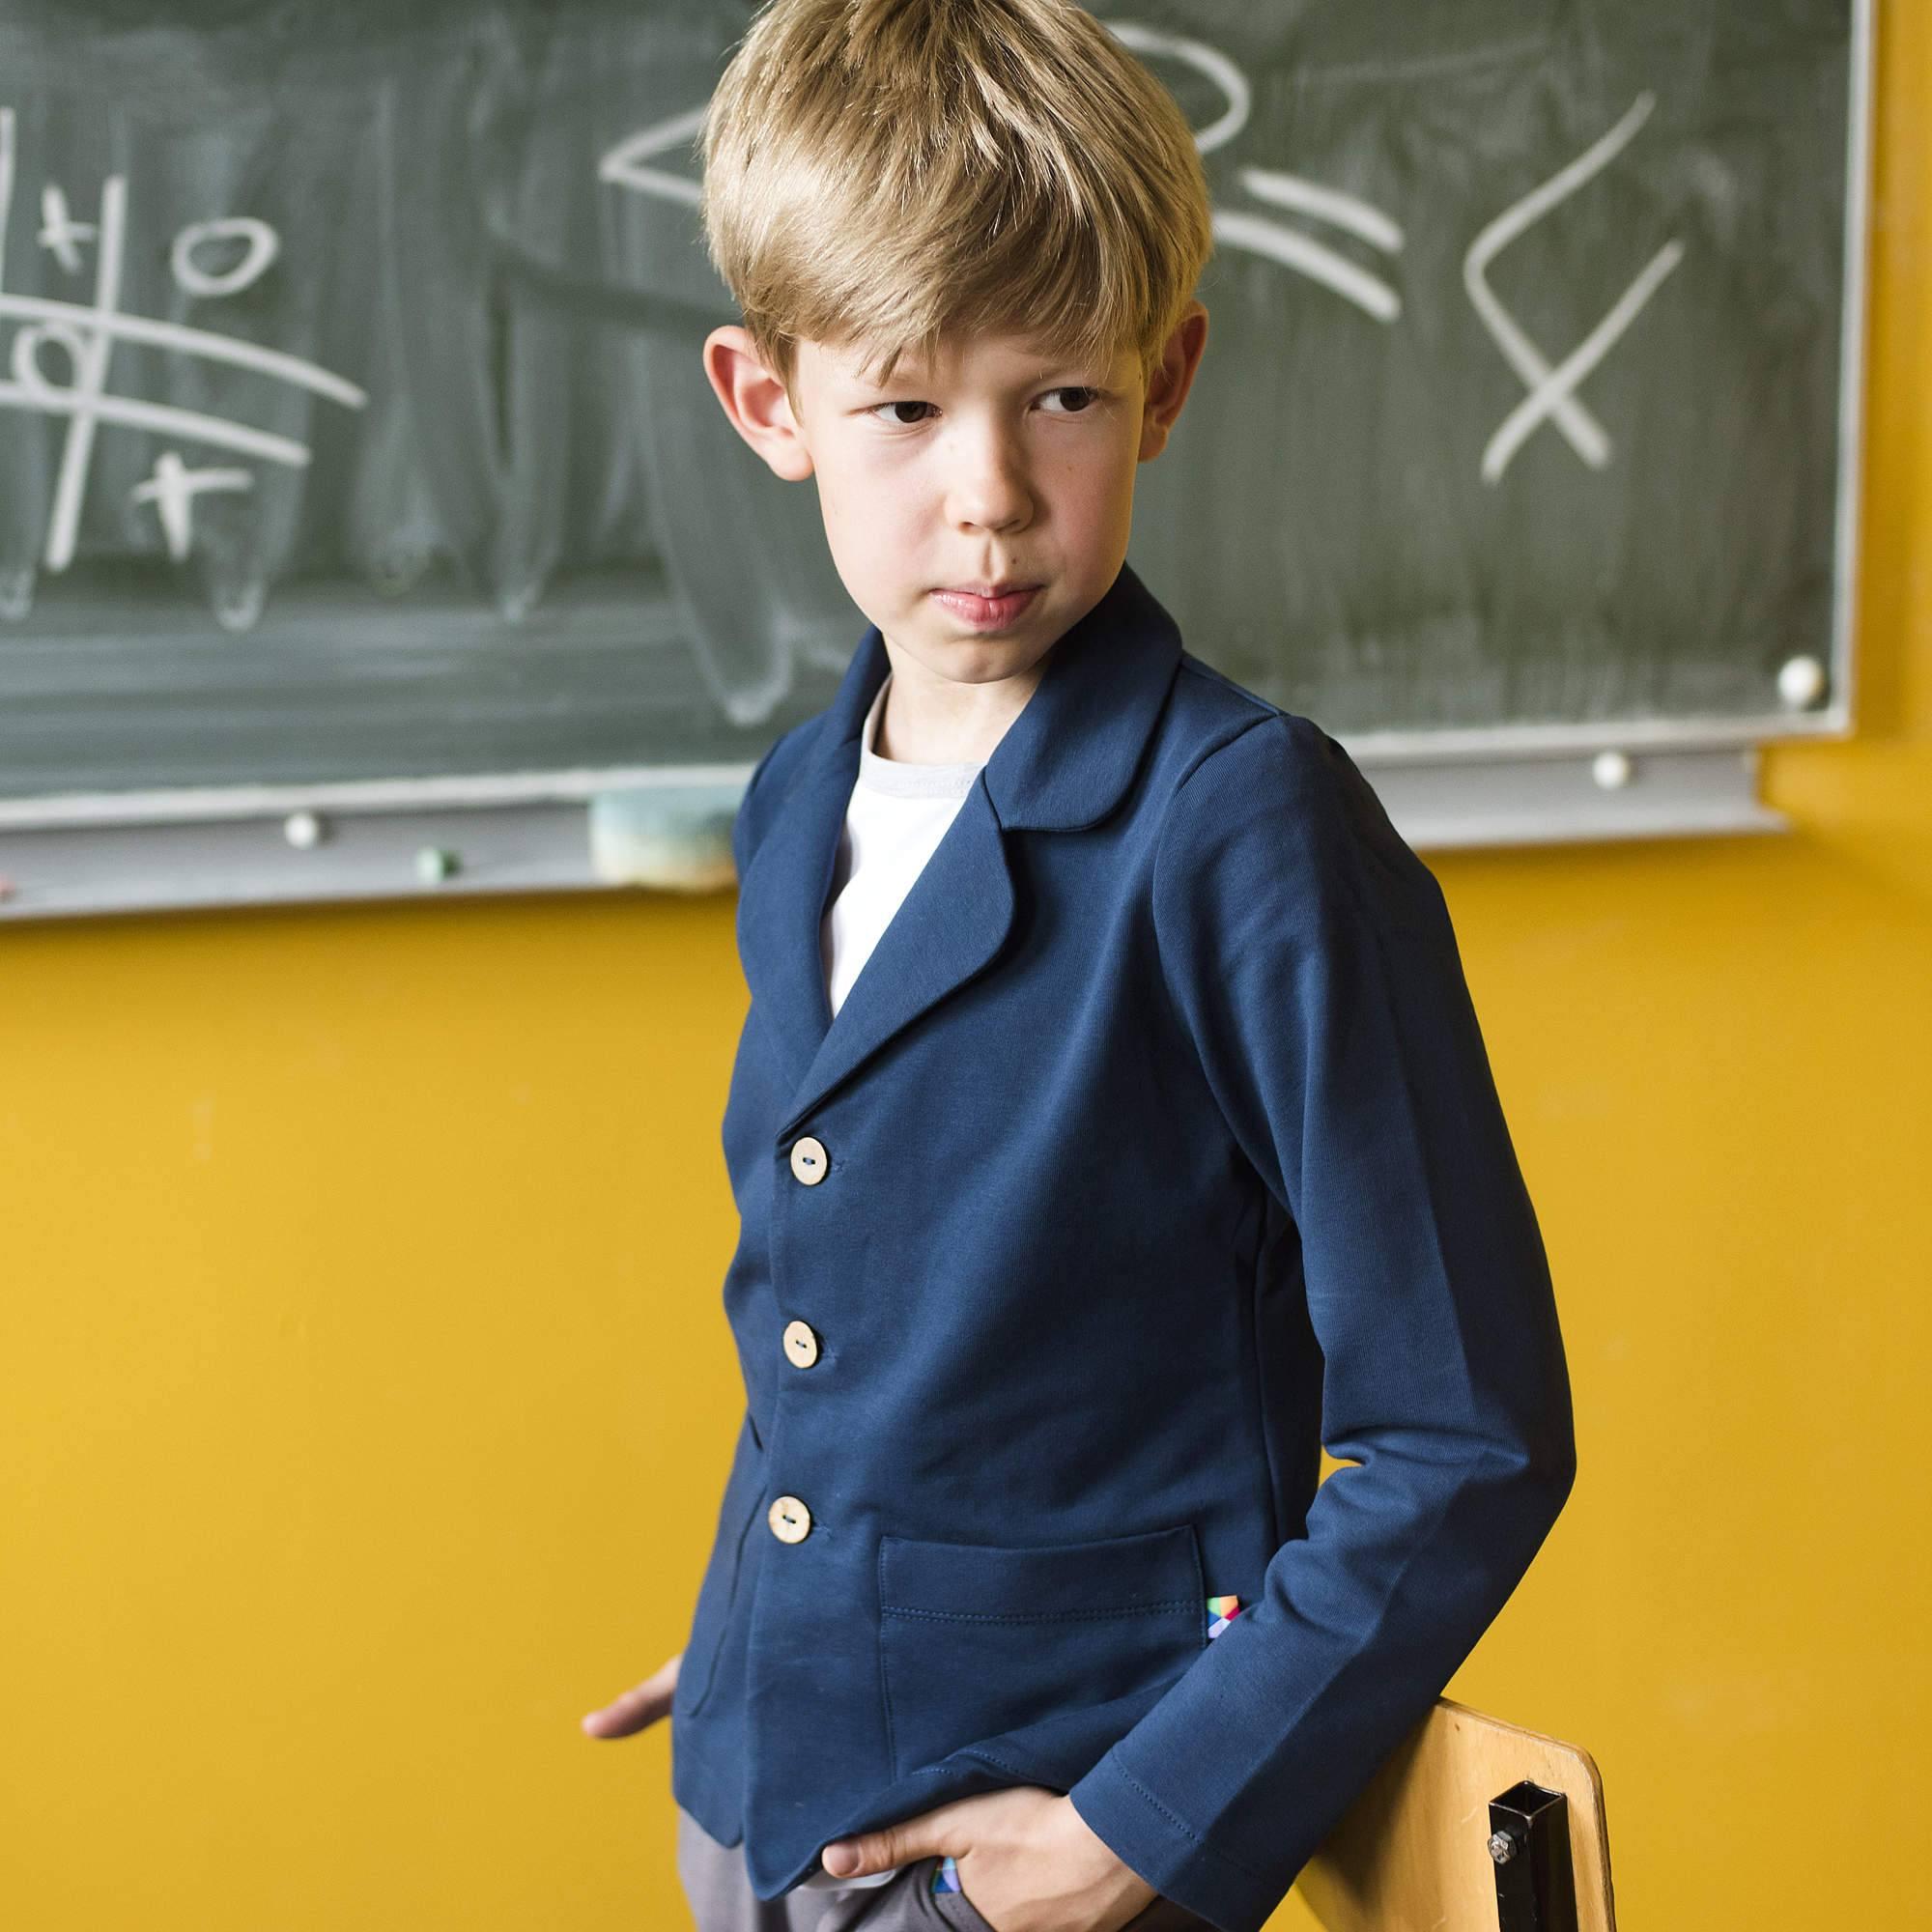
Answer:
(879, 1851)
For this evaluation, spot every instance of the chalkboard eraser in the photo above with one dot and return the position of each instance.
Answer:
(675, 837)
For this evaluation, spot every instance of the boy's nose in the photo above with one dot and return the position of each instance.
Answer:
(995, 496)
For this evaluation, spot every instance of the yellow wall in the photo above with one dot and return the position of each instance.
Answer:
(366, 1392)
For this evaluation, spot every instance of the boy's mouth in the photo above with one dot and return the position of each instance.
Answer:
(989, 612)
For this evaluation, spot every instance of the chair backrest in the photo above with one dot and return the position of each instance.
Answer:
(1412, 1853)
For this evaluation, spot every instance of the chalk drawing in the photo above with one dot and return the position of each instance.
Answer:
(86, 334)
(624, 164)
(262, 246)
(60, 232)
(1326, 204)
(172, 489)
(1204, 60)
(1553, 391)
(6, 180)
(1235, 228)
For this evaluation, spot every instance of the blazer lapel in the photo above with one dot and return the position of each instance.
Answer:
(953, 922)
(1064, 763)
(781, 897)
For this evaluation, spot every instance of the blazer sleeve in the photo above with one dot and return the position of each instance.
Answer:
(1310, 955)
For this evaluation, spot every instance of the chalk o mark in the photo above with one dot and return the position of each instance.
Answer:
(25, 361)
(261, 245)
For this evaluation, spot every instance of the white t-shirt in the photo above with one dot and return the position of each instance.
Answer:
(897, 815)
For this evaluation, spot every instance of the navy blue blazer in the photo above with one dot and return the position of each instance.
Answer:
(1154, 1145)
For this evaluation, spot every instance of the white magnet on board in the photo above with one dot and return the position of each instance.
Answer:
(303, 830)
(1611, 770)
(434, 863)
(1801, 681)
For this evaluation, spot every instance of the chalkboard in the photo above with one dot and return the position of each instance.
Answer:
(353, 426)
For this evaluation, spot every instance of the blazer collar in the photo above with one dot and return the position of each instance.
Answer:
(1064, 763)
(1068, 759)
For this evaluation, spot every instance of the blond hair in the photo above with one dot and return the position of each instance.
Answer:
(894, 172)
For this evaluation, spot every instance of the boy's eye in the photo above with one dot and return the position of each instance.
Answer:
(1088, 396)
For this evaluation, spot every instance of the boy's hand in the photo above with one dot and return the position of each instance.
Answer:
(1027, 1860)
(638, 1708)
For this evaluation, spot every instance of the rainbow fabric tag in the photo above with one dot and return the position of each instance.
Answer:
(1221, 1613)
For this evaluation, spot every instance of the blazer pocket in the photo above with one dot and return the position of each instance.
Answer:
(736, 1511)
(978, 1641)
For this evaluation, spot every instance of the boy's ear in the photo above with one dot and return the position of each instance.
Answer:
(1172, 379)
(755, 402)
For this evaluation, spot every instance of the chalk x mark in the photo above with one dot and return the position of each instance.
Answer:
(59, 231)
(173, 489)
(1552, 389)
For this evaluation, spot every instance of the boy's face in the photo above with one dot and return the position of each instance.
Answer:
(1000, 465)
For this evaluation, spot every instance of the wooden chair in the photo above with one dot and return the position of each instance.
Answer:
(1412, 1853)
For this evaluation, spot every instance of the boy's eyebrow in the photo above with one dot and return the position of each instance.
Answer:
(906, 373)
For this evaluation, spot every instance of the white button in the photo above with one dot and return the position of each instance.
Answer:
(808, 1160)
(801, 1343)
(789, 1519)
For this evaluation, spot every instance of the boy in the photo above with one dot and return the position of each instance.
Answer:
(1110, 1127)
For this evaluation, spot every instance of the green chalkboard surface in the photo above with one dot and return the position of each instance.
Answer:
(352, 424)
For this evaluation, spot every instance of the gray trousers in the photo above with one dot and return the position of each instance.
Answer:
(722, 1899)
